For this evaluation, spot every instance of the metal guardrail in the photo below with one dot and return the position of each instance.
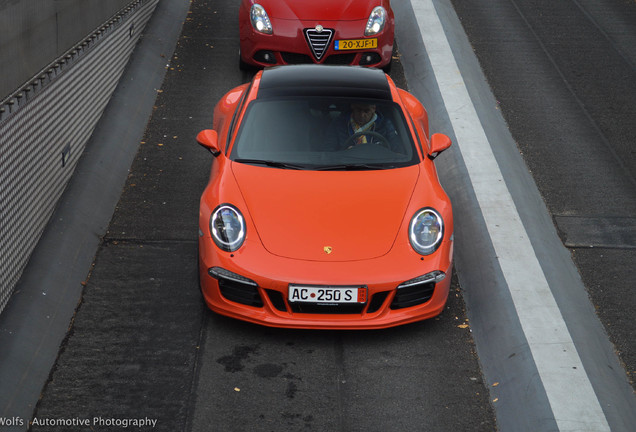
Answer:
(44, 127)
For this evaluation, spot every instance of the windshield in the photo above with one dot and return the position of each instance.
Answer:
(324, 134)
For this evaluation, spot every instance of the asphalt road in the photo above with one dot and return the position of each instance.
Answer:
(563, 75)
(142, 345)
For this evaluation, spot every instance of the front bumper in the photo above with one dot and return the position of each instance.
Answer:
(289, 45)
(261, 297)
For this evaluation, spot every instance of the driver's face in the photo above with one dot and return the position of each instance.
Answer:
(362, 113)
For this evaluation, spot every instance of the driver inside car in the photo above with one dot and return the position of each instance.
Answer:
(362, 125)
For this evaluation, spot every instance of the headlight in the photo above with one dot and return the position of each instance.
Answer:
(227, 227)
(426, 231)
(376, 21)
(260, 20)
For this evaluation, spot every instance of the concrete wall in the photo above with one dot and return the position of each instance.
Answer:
(45, 126)
(35, 32)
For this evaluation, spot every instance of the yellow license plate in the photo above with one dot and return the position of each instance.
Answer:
(354, 44)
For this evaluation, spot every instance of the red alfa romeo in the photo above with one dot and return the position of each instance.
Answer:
(323, 208)
(342, 32)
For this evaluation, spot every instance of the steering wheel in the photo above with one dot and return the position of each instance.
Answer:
(383, 141)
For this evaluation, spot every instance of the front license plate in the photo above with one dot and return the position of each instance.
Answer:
(353, 44)
(325, 294)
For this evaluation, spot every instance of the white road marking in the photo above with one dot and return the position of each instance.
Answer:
(569, 391)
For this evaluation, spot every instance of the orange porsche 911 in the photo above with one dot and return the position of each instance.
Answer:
(324, 209)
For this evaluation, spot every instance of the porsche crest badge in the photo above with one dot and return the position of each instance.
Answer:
(328, 249)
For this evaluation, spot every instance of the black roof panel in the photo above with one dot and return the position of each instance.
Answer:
(323, 80)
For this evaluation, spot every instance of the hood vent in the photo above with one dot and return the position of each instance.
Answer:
(318, 41)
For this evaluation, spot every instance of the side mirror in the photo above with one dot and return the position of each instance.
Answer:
(208, 138)
(439, 143)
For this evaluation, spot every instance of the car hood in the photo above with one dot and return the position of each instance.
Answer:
(326, 215)
(348, 10)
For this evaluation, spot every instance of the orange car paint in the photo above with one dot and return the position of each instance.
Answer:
(279, 205)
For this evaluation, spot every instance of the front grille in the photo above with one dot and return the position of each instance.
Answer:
(377, 301)
(334, 59)
(342, 309)
(239, 289)
(240, 292)
(294, 58)
(277, 299)
(340, 59)
(318, 41)
(413, 295)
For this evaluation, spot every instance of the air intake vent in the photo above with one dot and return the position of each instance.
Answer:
(318, 41)
(413, 295)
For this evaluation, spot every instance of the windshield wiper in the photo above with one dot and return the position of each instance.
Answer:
(270, 163)
(353, 167)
